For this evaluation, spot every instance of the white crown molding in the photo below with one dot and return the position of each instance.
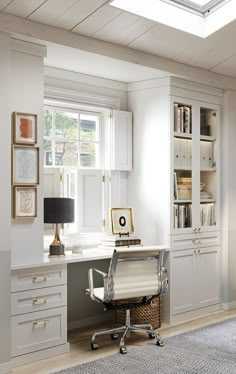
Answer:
(85, 79)
(28, 48)
(28, 29)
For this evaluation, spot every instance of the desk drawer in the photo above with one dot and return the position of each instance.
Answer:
(40, 330)
(33, 278)
(39, 299)
(195, 240)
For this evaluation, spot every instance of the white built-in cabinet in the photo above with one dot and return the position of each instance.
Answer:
(176, 179)
(38, 313)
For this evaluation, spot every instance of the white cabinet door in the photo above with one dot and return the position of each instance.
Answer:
(182, 281)
(208, 276)
(121, 140)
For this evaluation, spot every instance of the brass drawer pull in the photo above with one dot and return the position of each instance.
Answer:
(39, 300)
(37, 279)
(41, 323)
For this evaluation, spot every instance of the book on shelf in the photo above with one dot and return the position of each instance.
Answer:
(182, 119)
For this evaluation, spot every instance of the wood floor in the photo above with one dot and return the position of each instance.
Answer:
(80, 344)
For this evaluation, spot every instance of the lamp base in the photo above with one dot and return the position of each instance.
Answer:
(56, 250)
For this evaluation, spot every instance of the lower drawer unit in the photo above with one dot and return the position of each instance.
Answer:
(39, 330)
(39, 299)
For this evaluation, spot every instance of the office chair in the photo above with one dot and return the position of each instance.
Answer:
(133, 272)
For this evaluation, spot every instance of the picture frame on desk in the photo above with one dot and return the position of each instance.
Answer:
(24, 128)
(25, 165)
(25, 202)
(122, 221)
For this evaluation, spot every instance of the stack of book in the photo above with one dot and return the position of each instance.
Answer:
(121, 241)
(182, 119)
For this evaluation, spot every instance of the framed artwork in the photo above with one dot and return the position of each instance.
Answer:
(24, 128)
(122, 221)
(25, 202)
(25, 165)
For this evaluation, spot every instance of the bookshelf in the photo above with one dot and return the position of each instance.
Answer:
(194, 164)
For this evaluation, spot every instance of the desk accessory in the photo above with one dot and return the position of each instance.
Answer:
(58, 210)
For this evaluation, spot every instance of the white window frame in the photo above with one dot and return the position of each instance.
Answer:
(68, 99)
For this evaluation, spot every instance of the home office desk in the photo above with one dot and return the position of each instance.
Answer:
(39, 303)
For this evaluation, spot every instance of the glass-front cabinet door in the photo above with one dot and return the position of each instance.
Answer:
(194, 165)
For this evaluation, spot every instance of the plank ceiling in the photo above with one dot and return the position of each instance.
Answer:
(96, 19)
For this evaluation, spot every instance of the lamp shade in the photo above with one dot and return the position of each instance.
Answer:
(58, 210)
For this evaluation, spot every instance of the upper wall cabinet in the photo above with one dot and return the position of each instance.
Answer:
(118, 138)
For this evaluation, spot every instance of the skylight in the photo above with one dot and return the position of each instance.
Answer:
(198, 17)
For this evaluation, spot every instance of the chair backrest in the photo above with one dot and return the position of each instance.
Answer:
(135, 272)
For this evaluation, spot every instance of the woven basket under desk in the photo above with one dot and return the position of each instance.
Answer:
(140, 315)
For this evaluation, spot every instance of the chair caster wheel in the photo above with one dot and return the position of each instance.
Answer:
(94, 346)
(152, 335)
(160, 343)
(123, 350)
(114, 336)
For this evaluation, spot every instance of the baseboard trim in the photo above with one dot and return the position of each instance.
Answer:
(41, 355)
(6, 367)
(194, 314)
(228, 306)
(105, 317)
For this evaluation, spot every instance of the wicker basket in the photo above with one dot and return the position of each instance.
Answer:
(142, 314)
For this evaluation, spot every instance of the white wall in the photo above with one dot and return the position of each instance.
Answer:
(229, 199)
(149, 181)
(5, 203)
(27, 86)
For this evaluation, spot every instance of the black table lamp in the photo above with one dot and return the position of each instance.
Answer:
(58, 210)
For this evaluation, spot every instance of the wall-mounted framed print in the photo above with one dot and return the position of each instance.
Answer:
(25, 202)
(25, 165)
(24, 128)
(122, 221)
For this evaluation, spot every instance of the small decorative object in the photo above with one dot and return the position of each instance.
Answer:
(25, 165)
(58, 210)
(122, 221)
(24, 128)
(77, 249)
(25, 202)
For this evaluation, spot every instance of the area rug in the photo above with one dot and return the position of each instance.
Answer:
(209, 350)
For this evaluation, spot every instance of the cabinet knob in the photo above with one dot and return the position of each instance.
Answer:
(195, 241)
(39, 300)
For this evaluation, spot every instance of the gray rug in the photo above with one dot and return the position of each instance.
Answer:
(209, 350)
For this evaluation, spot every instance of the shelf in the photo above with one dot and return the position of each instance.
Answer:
(190, 201)
(182, 135)
(186, 168)
(207, 138)
(209, 169)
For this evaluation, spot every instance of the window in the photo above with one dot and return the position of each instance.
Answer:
(72, 164)
(71, 138)
(197, 17)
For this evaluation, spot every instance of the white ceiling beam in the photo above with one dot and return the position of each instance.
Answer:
(17, 26)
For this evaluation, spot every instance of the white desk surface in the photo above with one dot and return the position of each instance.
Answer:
(89, 254)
